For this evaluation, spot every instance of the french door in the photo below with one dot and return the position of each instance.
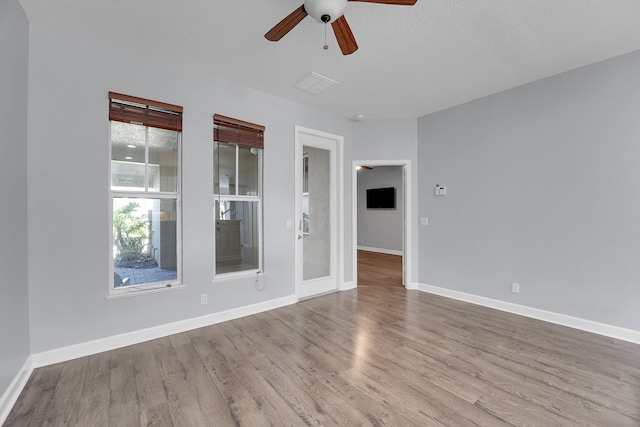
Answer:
(317, 208)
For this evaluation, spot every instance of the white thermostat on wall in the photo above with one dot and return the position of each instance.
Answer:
(440, 190)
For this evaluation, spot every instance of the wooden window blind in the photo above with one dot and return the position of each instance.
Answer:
(234, 131)
(131, 109)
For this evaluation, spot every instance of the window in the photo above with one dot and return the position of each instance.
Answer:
(145, 192)
(237, 195)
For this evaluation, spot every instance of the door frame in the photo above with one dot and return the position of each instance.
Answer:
(338, 244)
(406, 238)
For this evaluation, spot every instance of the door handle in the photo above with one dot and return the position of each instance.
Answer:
(301, 236)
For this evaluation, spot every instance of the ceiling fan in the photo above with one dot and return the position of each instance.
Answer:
(327, 12)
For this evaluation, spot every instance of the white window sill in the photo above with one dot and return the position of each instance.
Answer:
(133, 291)
(241, 275)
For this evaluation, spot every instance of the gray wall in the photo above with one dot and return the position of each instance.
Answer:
(395, 139)
(380, 228)
(543, 189)
(68, 178)
(14, 309)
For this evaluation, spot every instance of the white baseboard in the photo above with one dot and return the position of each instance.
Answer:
(12, 393)
(535, 313)
(346, 286)
(380, 250)
(110, 343)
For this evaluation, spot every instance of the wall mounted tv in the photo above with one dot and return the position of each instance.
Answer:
(381, 198)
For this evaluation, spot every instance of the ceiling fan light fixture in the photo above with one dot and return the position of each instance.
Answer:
(325, 11)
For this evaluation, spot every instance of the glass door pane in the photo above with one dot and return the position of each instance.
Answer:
(316, 213)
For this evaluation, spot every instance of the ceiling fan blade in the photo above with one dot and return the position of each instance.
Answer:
(286, 25)
(396, 2)
(346, 40)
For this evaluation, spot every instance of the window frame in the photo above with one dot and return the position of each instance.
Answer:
(251, 136)
(163, 285)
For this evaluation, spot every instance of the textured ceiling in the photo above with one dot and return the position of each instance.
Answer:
(412, 60)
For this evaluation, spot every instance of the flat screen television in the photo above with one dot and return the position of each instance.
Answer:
(381, 198)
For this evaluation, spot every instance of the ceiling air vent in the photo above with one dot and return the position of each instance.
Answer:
(315, 83)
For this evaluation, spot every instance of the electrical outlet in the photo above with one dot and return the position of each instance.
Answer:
(203, 299)
(515, 288)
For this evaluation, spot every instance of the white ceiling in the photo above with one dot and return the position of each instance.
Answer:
(412, 60)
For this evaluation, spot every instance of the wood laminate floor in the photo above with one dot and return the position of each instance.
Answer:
(374, 356)
(377, 269)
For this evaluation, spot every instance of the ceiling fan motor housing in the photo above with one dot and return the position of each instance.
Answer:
(325, 11)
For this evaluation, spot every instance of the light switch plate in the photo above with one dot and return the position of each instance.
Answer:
(440, 190)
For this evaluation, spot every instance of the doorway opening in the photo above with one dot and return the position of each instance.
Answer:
(381, 228)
